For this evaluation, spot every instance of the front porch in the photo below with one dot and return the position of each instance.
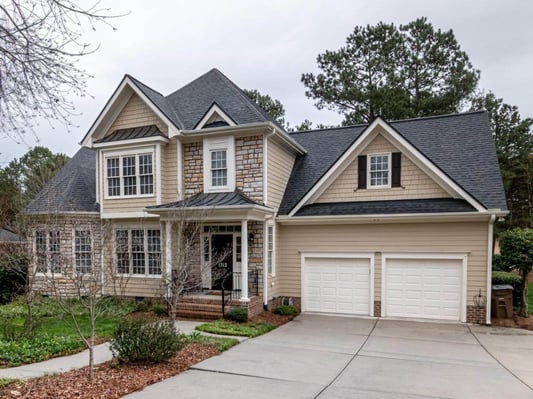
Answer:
(216, 240)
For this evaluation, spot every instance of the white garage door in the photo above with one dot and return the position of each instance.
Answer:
(423, 288)
(336, 285)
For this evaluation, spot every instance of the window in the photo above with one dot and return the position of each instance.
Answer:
(379, 170)
(138, 251)
(219, 170)
(130, 175)
(82, 252)
(270, 250)
(48, 252)
(219, 164)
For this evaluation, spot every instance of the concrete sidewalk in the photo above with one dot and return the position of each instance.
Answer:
(65, 363)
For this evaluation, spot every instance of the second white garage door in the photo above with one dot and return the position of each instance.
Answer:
(336, 285)
(423, 288)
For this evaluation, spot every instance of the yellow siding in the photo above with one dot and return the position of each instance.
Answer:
(136, 113)
(280, 163)
(465, 237)
(169, 172)
(416, 184)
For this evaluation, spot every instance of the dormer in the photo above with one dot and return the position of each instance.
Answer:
(215, 117)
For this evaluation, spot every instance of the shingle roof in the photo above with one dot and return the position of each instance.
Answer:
(433, 205)
(8, 236)
(72, 189)
(461, 145)
(186, 106)
(131, 133)
(235, 198)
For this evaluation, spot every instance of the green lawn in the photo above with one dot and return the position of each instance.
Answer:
(54, 334)
(530, 295)
(224, 327)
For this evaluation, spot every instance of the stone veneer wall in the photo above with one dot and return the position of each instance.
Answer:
(65, 284)
(277, 301)
(255, 258)
(249, 166)
(193, 173)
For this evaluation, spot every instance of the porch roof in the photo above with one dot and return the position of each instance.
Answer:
(229, 205)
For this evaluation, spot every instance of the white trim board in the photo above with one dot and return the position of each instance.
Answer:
(339, 255)
(463, 257)
(419, 159)
(214, 110)
(114, 106)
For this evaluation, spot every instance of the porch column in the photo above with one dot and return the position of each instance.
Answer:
(168, 253)
(244, 261)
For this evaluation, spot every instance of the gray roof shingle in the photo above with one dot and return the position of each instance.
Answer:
(72, 189)
(8, 236)
(186, 106)
(433, 205)
(460, 145)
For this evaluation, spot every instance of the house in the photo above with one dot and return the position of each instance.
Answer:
(389, 219)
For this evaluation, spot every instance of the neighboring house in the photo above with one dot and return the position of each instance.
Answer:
(390, 219)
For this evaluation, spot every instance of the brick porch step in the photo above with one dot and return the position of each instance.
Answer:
(192, 314)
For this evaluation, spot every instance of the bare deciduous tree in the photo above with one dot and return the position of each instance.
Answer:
(187, 268)
(40, 44)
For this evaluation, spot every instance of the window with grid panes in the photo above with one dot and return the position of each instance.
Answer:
(379, 170)
(219, 170)
(138, 251)
(83, 252)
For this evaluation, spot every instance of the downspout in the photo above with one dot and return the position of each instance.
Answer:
(265, 261)
(489, 267)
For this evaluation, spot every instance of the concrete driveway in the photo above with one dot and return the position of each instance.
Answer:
(339, 357)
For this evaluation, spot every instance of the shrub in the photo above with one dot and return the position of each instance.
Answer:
(286, 310)
(240, 315)
(13, 272)
(137, 341)
(160, 309)
(511, 279)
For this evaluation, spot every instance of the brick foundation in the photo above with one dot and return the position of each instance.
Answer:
(277, 301)
(476, 315)
(377, 308)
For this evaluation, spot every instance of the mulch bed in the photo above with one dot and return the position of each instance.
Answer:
(516, 322)
(111, 380)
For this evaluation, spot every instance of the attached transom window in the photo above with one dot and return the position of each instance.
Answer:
(219, 168)
(130, 175)
(379, 170)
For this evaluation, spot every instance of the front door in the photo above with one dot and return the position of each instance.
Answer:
(222, 258)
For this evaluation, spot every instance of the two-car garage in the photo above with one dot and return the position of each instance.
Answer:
(414, 285)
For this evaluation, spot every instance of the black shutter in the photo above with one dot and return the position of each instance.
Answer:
(396, 180)
(361, 171)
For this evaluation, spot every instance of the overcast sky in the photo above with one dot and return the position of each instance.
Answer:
(267, 45)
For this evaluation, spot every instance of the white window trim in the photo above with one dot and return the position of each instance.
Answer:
(125, 153)
(389, 170)
(219, 144)
(145, 247)
(74, 269)
(48, 272)
(272, 271)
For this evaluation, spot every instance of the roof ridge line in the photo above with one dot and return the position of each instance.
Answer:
(450, 115)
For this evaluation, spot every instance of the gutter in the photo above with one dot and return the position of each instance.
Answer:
(210, 208)
(382, 218)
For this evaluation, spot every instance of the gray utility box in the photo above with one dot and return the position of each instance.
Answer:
(502, 301)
